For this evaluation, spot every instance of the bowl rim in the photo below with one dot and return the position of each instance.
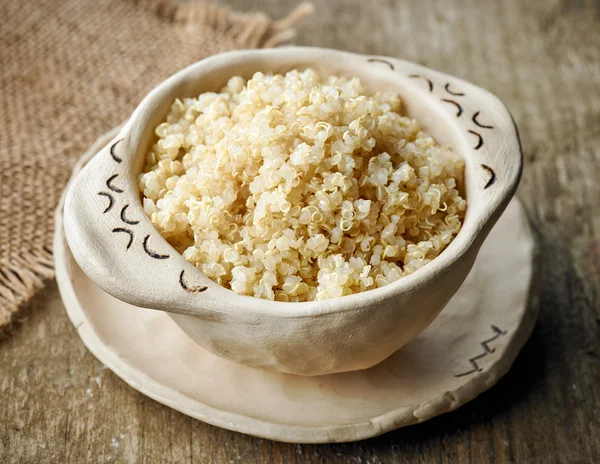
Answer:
(470, 235)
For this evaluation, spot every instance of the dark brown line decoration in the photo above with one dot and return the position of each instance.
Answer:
(111, 186)
(124, 219)
(418, 76)
(458, 107)
(112, 151)
(193, 290)
(479, 124)
(111, 201)
(127, 231)
(485, 344)
(456, 94)
(492, 174)
(151, 253)
(377, 60)
(480, 139)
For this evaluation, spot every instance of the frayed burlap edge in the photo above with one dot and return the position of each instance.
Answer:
(22, 276)
(249, 30)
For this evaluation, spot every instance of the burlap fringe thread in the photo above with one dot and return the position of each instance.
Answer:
(23, 276)
(20, 278)
(249, 30)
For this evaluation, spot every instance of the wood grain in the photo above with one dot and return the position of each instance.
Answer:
(58, 404)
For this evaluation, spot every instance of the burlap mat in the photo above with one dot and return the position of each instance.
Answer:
(70, 71)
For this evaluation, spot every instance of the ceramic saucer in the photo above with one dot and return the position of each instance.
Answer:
(467, 348)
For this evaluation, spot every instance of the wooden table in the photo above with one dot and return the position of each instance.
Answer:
(59, 405)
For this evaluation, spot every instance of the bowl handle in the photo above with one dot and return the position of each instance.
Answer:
(478, 124)
(116, 245)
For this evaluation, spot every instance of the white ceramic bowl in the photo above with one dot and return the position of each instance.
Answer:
(117, 246)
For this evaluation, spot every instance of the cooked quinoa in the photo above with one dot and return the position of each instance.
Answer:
(300, 187)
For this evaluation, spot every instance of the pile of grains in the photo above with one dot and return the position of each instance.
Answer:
(299, 187)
